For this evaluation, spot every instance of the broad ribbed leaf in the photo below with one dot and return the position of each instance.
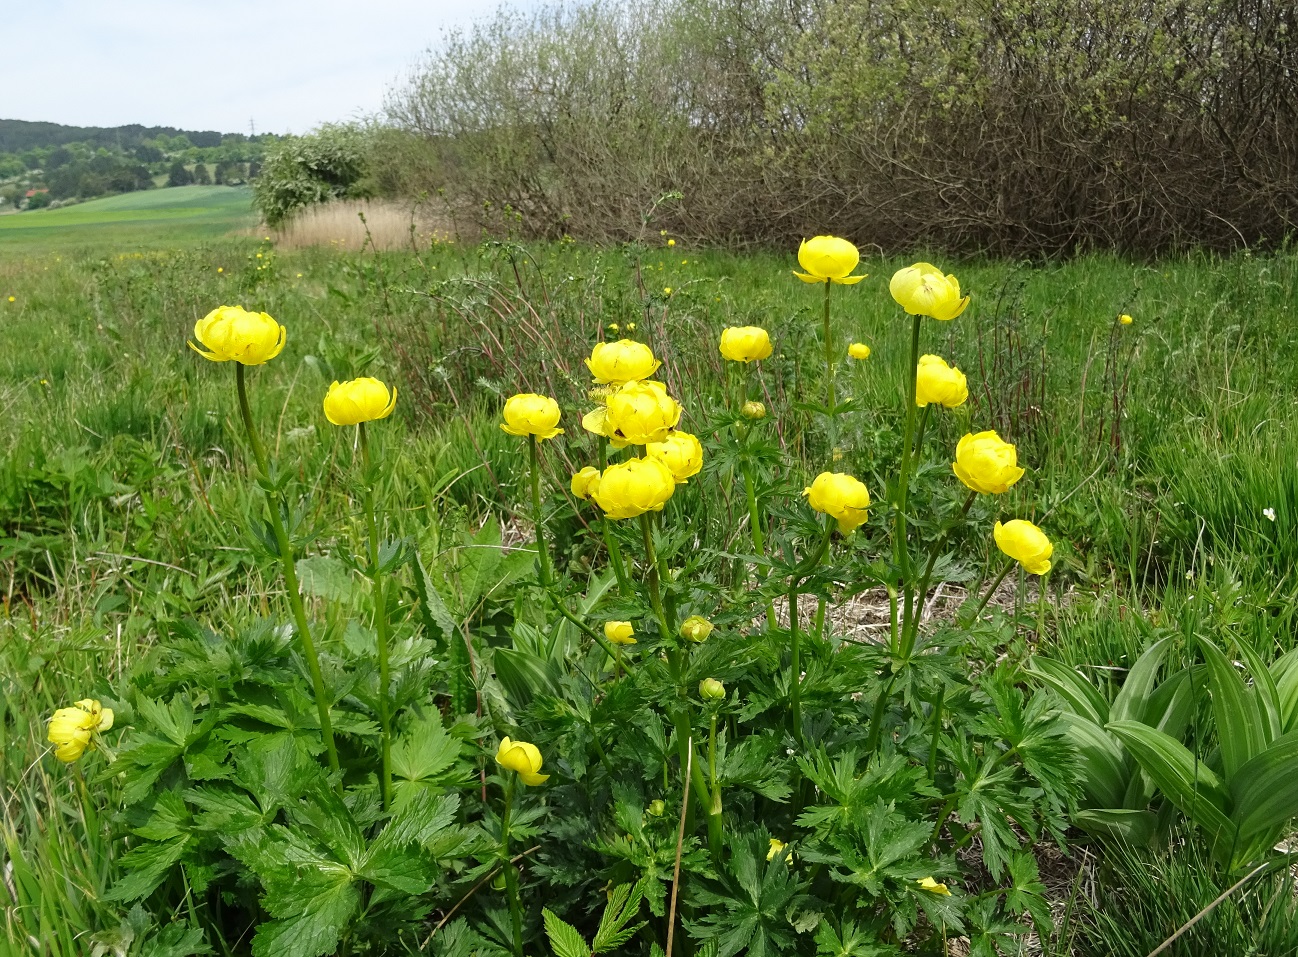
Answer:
(1240, 732)
(1266, 788)
(1265, 693)
(1082, 696)
(1285, 673)
(1127, 827)
(1104, 776)
(1172, 705)
(1132, 702)
(1187, 782)
(523, 675)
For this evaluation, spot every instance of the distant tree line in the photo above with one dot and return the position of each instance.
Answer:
(1021, 127)
(49, 161)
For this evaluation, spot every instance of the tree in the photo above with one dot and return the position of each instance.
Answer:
(179, 175)
(201, 175)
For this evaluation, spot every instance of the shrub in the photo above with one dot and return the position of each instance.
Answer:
(300, 171)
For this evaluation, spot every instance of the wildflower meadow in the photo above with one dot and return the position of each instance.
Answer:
(542, 598)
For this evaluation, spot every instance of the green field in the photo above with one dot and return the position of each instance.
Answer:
(139, 567)
(152, 219)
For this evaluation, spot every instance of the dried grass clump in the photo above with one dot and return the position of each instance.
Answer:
(386, 226)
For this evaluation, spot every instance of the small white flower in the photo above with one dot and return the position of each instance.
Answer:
(1269, 513)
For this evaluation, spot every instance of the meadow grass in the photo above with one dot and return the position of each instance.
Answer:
(154, 219)
(1159, 449)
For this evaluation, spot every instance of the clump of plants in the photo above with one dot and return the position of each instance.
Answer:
(467, 747)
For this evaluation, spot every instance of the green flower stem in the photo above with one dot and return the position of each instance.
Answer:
(681, 718)
(380, 622)
(542, 552)
(795, 630)
(903, 487)
(610, 541)
(910, 631)
(510, 870)
(995, 585)
(829, 367)
(1041, 608)
(585, 629)
(716, 834)
(937, 728)
(290, 575)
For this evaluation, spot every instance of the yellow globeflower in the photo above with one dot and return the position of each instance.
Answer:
(623, 361)
(585, 481)
(858, 350)
(530, 414)
(619, 632)
(753, 410)
(522, 757)
(828, 259)
(596, 421)
(777, 846)
(710, 689)
(841, 496)
(642, 412)
(232, 333)
(680, 452)
(745, 343)
(1026, 544)
(933, 887)
(71, 729)
(1125, 319)
(360, 400)
(986, 463)
(633, 487)
(696, 628)
(923, 290)
(939, 384)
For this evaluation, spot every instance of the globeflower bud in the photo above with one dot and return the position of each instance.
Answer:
(634, 487)
(619, 632)
(71, 729)
(657, 808)
(828, 259)
(1125, 319)
(530, 414)
(642, 412)
(858, 350)
(840, 496)
(620, 362)
(584, 482)
(710, 689)
(522, 758)
(360, 400)
(986, 463)
(922, 290)
(745, 343)
(680, 452)
(939, 384)
(753, 410)
(1026, 544)
(233, 333)
(696, 628)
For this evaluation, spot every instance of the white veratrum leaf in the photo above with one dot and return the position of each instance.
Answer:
(563, 936)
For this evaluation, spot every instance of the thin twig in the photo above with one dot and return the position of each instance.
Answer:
(680, 841)
(473, 890)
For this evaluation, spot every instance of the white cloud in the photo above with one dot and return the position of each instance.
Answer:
(285, 65)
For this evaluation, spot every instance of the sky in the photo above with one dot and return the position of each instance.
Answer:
(279, 66)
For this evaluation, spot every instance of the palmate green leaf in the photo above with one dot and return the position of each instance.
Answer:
(564, 938)
(1265, 790)
(1131, 703)
(321, 576)
(312, 908)
(850, 940)
(1187, 782)
(623, 907)
(145, 867)
(1241, 730)
(423, 752)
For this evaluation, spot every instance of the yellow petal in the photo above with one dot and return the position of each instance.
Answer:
(806, 278)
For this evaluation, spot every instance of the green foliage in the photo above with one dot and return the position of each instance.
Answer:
(300, 171)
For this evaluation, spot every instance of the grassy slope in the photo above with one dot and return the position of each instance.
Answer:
(153, 219)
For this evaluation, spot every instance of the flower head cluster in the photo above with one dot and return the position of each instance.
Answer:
(1026, 544)
(923, 290)
(530, 414)
(986, 463)
(72, 729)
(745, 344)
